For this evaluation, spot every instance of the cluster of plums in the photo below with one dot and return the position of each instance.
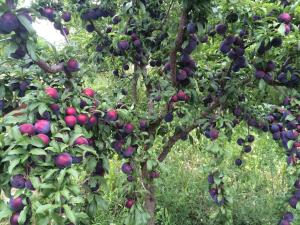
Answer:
(154, 9)
(123, 46)
(216, 191)
(289, 77)
(18, 203)
(98, 13)
(123, 132)
(54, 16)
(284, 125)
(9, 22)
(245, 143)
(181, 96)
(286, 19)
(41, 129)
(233, 47)
(20, 87)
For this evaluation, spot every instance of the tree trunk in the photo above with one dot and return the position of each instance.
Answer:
(150, 202)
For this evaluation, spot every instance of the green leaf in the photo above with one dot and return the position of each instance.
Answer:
(30, 45)
(26, 23)
(75, 189)
(290, 144)
(2, 92)
(128, 6)
(151, 164)
(64, 137)
(35, 182)
(73, 172)
(50, 173)
(42, 219)
(281, 29)
(142, 6)
(38, 151)
(42, 108)
(86, 149)
(82, 216)
(12, 165)
(15, 133)
(101, 203)
(23, 215)
(43, 208)
(70, 214)
(61, 176)
(4, 211)
(37, 142)
(290, 117)
(262, 85)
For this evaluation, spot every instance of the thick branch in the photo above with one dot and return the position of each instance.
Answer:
(172, 141)
(178, 44)
(150, 201)
(50, 69)
(177, 135)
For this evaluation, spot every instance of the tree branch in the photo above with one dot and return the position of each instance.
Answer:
(177, 135)
(167, 14)
(64, 34)
(50, 69)
(172, 141)
(178, 44)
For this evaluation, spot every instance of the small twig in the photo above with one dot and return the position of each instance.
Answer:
(167, 15)
(64, 34)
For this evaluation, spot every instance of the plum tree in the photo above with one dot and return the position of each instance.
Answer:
(198, 73)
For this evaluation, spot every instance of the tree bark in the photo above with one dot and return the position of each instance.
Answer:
(50, 69)
(150, 201)
(135, 83)
(178, 42)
